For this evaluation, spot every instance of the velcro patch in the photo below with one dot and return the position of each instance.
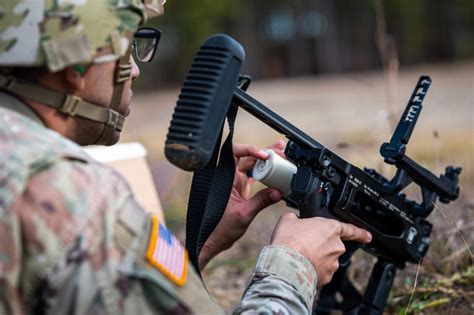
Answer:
(166, 253)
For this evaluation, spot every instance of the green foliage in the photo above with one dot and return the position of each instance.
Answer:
(431, 295)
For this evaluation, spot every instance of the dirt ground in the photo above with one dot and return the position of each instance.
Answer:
(349, 114)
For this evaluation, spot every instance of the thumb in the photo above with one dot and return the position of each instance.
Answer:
(262, 199)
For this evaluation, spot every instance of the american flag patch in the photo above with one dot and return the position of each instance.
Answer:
(166, 253)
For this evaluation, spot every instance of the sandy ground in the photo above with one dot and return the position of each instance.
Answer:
(349, 109)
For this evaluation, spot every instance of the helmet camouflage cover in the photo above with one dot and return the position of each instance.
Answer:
(60, 33)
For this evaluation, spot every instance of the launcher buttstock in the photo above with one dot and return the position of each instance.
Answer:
(203, 103)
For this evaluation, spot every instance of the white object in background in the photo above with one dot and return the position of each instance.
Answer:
(118, 152)
(129, 159)
(275, 172)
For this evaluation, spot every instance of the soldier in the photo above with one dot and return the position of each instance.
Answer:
(72, 238)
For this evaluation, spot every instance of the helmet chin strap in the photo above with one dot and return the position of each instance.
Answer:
(123, 73)
(72, 105)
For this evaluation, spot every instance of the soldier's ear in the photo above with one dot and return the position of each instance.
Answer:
(74, 78)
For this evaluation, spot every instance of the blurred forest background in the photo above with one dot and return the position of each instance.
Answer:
(289, 38)
(342, 71)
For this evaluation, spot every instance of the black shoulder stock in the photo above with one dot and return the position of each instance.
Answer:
(203, 102)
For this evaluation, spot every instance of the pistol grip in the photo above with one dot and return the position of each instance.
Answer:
(351, 247)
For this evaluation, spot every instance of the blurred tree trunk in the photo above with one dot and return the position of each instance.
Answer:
(299, 60)
(251, 37)
(329, 46)
(442, 39)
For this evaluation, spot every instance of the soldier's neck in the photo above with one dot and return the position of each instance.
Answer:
(50, 117)
(15, 104)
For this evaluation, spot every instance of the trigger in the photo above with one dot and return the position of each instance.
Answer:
(326, 191)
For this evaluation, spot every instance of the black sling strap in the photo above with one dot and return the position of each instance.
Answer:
(210, 190)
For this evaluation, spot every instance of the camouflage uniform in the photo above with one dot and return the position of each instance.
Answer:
(78, 246)
(72, 237)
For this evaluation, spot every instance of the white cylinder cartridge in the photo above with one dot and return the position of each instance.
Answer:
(275, 172)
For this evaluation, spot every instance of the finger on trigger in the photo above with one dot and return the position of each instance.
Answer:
(351, 232)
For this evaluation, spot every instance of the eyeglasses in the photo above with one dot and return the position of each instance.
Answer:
(144, 43)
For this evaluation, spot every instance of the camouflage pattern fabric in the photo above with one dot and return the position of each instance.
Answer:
(284, 279)
(73, 240)
(60, 33)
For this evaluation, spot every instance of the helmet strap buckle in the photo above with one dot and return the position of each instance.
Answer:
(113, 119)
(70, 104)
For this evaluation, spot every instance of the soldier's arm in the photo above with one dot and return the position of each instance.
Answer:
(320, 241)
(283, 282)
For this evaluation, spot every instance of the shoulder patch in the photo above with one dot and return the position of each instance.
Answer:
(165, 252)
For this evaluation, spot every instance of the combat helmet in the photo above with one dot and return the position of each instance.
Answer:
(59, 33)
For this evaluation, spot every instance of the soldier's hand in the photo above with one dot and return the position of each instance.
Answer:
(319, 240)
(241, 208)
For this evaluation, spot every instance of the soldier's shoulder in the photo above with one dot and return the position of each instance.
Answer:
(27, 148)
(27, 140)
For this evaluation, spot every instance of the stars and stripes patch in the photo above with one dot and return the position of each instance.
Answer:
(166, 253)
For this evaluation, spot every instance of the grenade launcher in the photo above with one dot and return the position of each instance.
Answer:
(324, 184)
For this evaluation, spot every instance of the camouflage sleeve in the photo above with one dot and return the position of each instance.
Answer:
(10, 258)
(78, 243)
(283, 282)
